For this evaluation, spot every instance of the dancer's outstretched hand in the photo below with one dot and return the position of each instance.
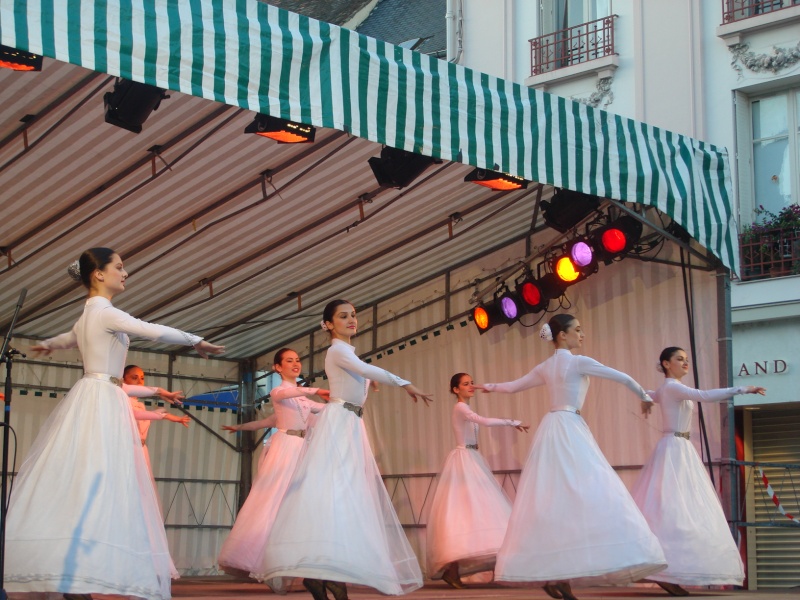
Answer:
(232, 428)
(522, 428)
(646, 408)
(171, 397)
(416, 393)
(205, 348)
(324, 394)
(183, 420)
(477, 386)
(752, 389)
(39, 350)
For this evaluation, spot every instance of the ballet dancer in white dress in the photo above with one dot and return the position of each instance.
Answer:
(470, 511)
(573, 520)
(83, 516)
(675, 492)
(337, 524)
(241, 551)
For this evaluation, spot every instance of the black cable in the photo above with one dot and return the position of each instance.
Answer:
(688, 298)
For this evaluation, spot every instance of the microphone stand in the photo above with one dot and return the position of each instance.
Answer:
(7, 355)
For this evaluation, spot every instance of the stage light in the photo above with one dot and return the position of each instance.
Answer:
(509, 305)
(19, 60)
(131, 102)
(398, 168)
(616, 238)
(581, 253)
(576, 264)
(566, 270)
(495, 180)
(486, 316)
(281, 130)
(567, 208)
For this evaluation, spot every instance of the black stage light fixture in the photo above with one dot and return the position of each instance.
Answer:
(616, 239)
(494, 180)
(486, 316)
(398, 168)
(282, 131)
(131, 102)
(19, 60)
(508, 305)
(567, 208)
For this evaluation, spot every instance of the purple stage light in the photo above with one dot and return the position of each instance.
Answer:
(509, 308)
(581, 254)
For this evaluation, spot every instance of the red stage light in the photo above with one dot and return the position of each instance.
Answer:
(614, 240)
(531, 293)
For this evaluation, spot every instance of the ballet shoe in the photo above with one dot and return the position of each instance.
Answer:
(673, 589)
(316, 587)
(552, 591)
(451, 578)
(566, 590)
(337, 588)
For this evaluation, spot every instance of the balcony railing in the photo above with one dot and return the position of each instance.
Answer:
(770, 253)
(573, 45)
(736, 10)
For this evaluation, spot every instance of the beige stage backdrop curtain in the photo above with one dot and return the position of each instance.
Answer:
(630, 311)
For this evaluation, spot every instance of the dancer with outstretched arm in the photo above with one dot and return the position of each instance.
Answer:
(675, 492)
(83, 516)
(573, 520)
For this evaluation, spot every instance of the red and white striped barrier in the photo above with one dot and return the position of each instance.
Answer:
(774, 497)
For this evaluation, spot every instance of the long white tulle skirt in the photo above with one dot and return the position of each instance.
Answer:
(337, 521)
(679, 502)
(242, 549)
(573, 519)
(83, 517)
(469, 516)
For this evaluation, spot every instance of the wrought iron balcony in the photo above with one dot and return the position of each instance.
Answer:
(769, 253)
(572, 46)
(736, 10)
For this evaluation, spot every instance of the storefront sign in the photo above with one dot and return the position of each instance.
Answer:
(764, 367)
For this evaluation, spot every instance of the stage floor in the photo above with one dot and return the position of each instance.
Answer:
(190, 588)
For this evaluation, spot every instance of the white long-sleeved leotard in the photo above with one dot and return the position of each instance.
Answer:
(465, 424)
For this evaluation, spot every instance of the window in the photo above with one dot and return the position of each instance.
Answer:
(776, 139)
(573, 32)
(563, 14)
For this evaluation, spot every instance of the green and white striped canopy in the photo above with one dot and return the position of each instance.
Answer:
(249, 54)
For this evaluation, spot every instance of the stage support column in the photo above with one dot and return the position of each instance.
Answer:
(728, 488)
(247, 398)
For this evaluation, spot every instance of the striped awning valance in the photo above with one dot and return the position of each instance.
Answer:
(250, 54)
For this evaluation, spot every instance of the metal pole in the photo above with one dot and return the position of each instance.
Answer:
(728, 417)
(247, 397)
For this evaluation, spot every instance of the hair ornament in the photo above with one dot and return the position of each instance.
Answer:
(546, 333)
(323, 325)
(74, 271)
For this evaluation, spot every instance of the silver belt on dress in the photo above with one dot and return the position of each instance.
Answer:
(681, 434)
(356, 408)
(472, 446)
(296, 432)
(104, 377)
(566, 408)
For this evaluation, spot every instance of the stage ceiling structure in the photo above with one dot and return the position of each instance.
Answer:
(243, 240)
